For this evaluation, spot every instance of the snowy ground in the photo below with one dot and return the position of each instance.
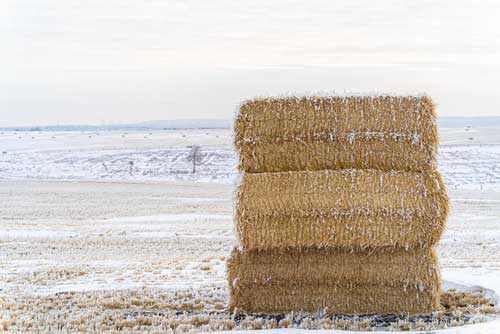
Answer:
(140, 156)
(77, 252)
(469, 158)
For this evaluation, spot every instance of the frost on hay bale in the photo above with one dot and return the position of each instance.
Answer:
(355, 209)
(336, 299)
(417, 269)
(339, 205)
(339, 281)
(331, 132)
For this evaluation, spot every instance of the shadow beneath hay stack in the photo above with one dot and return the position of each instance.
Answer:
(458, 308)
(346, 321)
(191, 312)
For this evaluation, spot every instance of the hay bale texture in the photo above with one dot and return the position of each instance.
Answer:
(337, 299)
(417, 269)
(350, 208)
(339, 205)
(332, 132)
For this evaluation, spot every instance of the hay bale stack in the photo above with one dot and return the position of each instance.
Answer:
(316, 133)
(339, 205)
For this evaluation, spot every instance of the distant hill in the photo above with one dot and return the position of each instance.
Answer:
(183, 124)
(149, 125)
(443, 122)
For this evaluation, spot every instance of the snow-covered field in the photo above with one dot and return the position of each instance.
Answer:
(469, 158)
(114, 155)
(90, 241)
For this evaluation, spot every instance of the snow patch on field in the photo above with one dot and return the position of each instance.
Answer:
(492, 327)
(159, 164)
(470, 166)
(188, 218)
(481, 279)
(6, 235)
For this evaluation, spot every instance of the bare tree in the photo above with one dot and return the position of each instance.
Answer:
(131, 167)
(195, 156)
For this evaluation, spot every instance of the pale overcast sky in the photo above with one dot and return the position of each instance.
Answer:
(116, 61)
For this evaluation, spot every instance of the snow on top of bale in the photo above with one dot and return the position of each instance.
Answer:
(331, 93)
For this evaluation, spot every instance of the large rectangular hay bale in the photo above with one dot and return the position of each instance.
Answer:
(341, 282)
(331, 132)
(417, 269)
(356, 209)
(334, 299)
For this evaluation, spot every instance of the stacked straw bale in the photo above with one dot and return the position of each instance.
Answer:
(340, 208)
(339, 205)
(341, 281)
(316, 133)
